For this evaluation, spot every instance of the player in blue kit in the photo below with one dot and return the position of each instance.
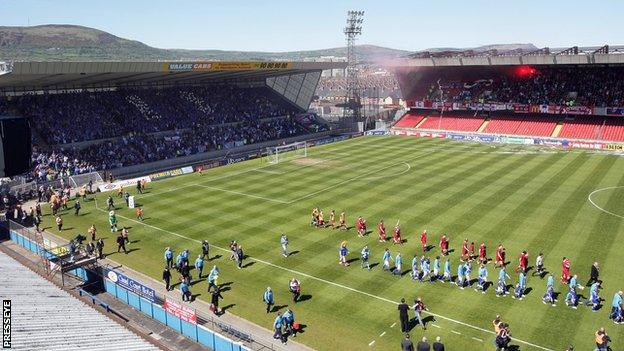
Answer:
(426, 270)
(398, 264)
(436, 269)
(571, 299)
(415, 271)
(461, 274)
(594, 297)
(385, 261)
(501, 287)
(447, 272)
(549, 296)
(482, 279)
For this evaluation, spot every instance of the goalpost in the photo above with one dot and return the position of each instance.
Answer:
(277, 154)
(81, 179)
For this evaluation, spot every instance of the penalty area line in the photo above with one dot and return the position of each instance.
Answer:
(243, 194)
(380, 298)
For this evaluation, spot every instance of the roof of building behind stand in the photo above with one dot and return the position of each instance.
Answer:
(45, 317)
(594, 55)
(42, 76)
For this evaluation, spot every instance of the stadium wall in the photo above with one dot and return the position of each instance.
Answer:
(511, 139)
(195, 332)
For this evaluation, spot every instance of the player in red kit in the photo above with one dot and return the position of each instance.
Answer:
(464, 250)
(523, 262)
(423, 240)
(396, 238)
(500, 256)
(444, 244)
(360, 225)
(565, 270)
(381, 229)
(482, 253)
(472, 250)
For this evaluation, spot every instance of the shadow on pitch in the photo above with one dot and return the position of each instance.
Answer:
(304, 297)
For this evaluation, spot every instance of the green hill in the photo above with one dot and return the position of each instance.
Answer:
(77, 43)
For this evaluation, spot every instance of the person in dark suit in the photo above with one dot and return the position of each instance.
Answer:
(423, 345)
(594, 275)
(403, 316)
(214, 300)
(239, 256)
(438, 345)
(166, 276)
(406, 344)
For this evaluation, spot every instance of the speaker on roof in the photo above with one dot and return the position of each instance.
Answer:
(15, 148)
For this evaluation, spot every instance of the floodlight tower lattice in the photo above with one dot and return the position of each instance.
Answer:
(352, 105)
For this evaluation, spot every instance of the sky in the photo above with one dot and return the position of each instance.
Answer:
(278, 25)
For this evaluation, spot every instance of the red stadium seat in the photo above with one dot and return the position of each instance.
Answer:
(456, 122)
(410, 120)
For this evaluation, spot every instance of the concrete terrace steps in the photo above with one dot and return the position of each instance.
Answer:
(48, 318)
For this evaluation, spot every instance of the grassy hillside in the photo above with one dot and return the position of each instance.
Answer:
(76, 43)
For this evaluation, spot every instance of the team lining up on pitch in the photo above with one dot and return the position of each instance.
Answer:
(422, 270)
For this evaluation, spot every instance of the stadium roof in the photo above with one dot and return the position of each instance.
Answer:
(43, 76)
(45, 317)
(604, 55)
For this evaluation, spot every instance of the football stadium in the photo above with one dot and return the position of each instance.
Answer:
(203, 205)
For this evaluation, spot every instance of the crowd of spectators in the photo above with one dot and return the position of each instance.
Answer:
(80, 116)
(129, 127)
(584, 86)
(369, 81)
(141, 148)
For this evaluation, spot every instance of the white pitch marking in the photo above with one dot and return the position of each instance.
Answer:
(477, 339)
(392, 326)
(382, 334)
(437, 326)
(326, 281)
(243, 194)
(455, 332)
(371, 343)
(589, 197)
(349, 180)
(391, 175)
(269, 172)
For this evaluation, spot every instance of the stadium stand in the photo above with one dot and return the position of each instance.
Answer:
(154, 124)
(45, 317)
(593, 128)
(525, 125)
(119, 114)
(460, 122)
(587, 86)
(410, 120)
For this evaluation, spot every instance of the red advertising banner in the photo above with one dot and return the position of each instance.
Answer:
(181, 311)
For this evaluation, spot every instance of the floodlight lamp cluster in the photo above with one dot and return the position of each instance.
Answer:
(354, 22)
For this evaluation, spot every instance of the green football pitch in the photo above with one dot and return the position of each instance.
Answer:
(526, 198)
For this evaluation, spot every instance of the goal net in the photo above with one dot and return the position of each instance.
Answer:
(81, 179)
(287, 152)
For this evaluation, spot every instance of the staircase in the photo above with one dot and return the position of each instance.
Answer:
(485, 123)
(557, 129)
(421, 122)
